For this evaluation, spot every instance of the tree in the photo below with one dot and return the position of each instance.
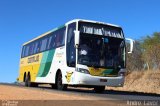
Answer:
(134, 60)
(151, 51)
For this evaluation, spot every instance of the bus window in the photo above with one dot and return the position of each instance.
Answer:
(49, 42)
(57, 40)
(38, 47)
(26, 51)
(44, 44)
(60, 37)
(71, 51)
(31, 48)
(63, 36)
(62, 33)
(52, 44)
(35, 48)
(23, 51)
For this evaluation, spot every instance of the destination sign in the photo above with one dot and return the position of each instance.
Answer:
(101, 30)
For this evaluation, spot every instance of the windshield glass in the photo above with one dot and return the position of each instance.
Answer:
(101, 51)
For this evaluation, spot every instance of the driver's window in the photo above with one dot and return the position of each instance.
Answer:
(71, 51)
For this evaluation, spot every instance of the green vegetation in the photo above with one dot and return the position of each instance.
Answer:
(146, 55)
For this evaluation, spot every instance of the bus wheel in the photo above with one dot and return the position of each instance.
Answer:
(59, 84)
(27, 81)
(99, 89)
(54, 86)
(34, 85)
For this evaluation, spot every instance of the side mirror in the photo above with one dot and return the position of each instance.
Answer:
(131, 42)
(76, 38)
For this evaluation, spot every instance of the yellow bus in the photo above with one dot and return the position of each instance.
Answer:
(79, 53)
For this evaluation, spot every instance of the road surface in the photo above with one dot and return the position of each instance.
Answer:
(81, 96)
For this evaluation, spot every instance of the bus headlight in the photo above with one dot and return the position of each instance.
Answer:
(121, 74)
(82, 70)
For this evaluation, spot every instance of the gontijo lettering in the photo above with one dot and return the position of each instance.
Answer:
(33, 59)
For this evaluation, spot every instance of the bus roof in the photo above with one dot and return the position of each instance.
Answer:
(91, 21)
(75, 20)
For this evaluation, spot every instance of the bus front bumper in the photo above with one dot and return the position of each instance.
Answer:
(87, 79)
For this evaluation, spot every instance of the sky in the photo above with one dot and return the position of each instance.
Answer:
(23, 20)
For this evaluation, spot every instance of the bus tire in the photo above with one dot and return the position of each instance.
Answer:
(99, 89)
(59, 83)
(24, 77)
(54, 86)
(27, 81)
(34, 84)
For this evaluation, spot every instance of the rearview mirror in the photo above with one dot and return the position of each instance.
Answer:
(76, 38)
(131, 42)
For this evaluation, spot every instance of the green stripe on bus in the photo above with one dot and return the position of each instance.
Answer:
(55, 29)
(61, 27)
(46, 63)
(109, 72)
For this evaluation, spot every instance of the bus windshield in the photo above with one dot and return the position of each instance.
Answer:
(101, 46)
(101, 52)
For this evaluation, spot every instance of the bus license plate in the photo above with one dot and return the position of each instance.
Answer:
(103, 80)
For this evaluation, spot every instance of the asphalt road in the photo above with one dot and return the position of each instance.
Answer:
(106, 95)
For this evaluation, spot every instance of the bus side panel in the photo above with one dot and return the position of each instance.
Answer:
(51, 63)
(30, 65)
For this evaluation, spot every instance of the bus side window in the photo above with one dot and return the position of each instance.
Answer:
(27, 50)
(49, 42)
(31, 47)
(44, 44)
(71, 51)
(60, 36)
(38, 47)
(23, 51)
(63, 36)
(53, 37)
(57, 39)
(35, 48)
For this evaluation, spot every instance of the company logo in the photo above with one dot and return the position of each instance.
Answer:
(68, 76)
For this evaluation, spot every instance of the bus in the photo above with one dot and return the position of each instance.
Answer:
(80, 53)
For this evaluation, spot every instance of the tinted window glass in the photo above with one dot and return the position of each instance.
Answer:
(49, 42)
(31, 48)
(60, 37)
(44, 44)
(35, 48)
(27, 51)
(71, 51)
(23, 51)
(53, 44)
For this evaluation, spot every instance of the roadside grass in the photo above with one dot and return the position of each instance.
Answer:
(141, 81)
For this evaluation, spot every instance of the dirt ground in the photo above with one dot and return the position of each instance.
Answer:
(141, 81)
(17, 93)
(23, 96)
